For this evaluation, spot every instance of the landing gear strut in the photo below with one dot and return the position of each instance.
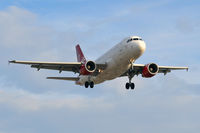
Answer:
(87, 84)
(130, 76)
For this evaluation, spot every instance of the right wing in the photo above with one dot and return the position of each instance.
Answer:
(65, 78)
(61, 66)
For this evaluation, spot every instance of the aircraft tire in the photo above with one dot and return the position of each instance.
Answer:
(86, 84)
(132, 86)
(91, 84)
(127, 86)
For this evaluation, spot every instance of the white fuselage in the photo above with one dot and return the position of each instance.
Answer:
(118, 60)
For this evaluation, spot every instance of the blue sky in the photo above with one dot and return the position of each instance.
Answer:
(48, 30)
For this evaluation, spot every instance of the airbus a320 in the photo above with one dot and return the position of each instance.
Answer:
(119, 61)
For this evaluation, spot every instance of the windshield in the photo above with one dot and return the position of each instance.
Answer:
(131, 39)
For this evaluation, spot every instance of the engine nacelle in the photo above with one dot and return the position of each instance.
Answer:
(150, 70)
(88, 68)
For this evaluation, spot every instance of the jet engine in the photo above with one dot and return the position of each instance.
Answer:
(150, 70)
(88, 68)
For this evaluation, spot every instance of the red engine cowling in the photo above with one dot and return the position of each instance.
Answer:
(150, 70)
(87, 68)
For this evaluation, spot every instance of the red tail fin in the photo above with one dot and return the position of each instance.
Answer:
(79, 53)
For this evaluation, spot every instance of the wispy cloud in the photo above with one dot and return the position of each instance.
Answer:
(22, 100)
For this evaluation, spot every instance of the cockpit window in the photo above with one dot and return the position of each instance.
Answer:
(133, 39)
(129, 40)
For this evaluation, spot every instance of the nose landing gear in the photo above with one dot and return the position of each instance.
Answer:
(130, 85)
(130, 75)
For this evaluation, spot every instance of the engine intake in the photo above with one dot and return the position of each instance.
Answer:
(150, 70)
(88, 68)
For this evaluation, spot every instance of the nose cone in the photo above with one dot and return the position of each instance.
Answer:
(141, 46)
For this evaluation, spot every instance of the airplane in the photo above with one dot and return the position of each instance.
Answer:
(117, 62)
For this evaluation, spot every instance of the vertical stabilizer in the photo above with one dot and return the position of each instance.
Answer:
(80, 55)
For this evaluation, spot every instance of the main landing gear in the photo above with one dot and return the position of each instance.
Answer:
(87, 84)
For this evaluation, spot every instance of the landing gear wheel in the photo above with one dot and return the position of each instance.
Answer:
(91, 84)
(132, 86)
(127, 86)
(86, 84)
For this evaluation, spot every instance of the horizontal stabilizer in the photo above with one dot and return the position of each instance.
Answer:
(64, 78)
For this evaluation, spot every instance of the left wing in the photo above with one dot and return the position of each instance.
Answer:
(61, 66)
(167, 69)
(138, 68)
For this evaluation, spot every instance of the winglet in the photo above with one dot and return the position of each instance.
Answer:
(11, 61)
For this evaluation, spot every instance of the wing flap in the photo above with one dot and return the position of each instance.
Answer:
(61, 66)
(65, 78)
